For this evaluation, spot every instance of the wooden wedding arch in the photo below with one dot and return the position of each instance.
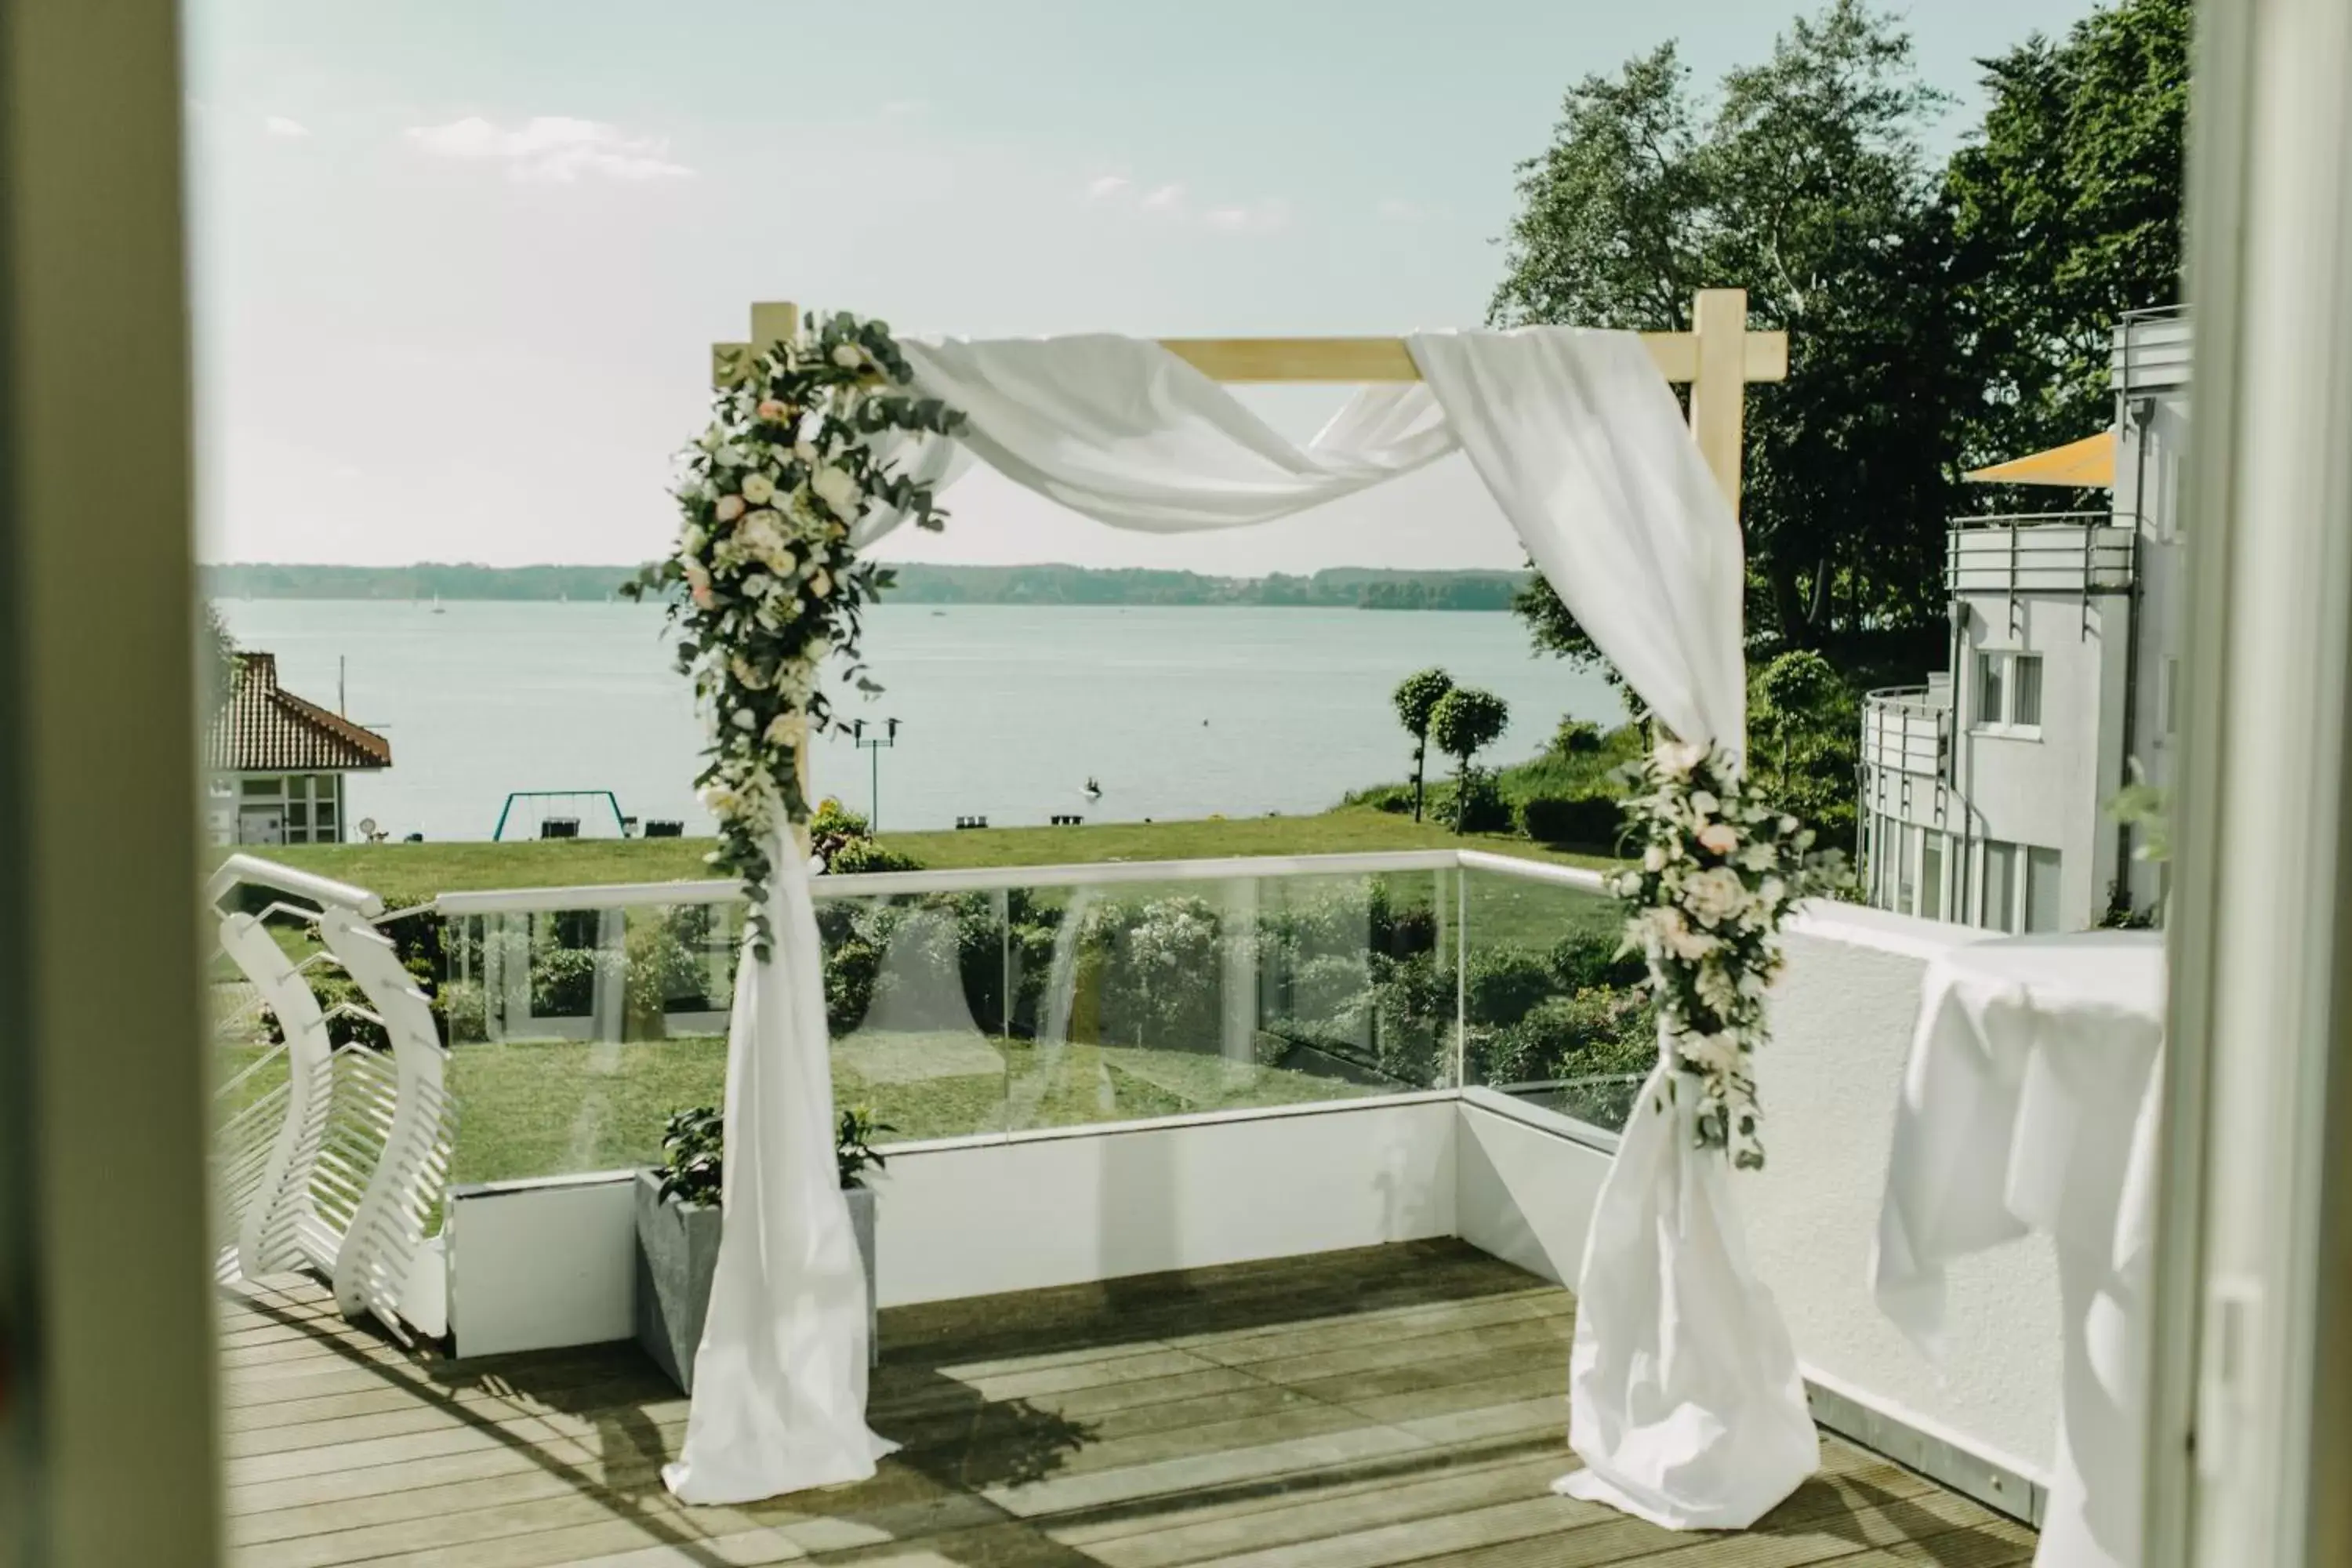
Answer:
(1717, 358)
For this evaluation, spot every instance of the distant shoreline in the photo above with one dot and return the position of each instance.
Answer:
(1339, 587)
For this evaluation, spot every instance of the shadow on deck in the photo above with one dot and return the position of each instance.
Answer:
(1349, 1410)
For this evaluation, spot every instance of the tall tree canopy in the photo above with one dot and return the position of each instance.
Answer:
(2066, 211)
(1938, 317)
(1804, 184)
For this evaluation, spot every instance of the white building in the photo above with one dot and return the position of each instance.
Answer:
(277, 762)
(1985, 792)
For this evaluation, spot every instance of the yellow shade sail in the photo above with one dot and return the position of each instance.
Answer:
(2087, 464)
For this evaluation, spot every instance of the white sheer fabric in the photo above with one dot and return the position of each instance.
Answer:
(1686, 1405)
(780, 1377)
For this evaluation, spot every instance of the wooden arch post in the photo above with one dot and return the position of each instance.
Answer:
(1717, 358)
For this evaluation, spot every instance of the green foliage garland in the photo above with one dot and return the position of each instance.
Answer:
(765, 580)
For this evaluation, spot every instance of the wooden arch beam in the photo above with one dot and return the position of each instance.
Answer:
(1717, 358)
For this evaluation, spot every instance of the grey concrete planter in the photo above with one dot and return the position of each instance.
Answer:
(677, 1250)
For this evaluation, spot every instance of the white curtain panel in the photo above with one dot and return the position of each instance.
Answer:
(780, 1378)
(1687, 1405)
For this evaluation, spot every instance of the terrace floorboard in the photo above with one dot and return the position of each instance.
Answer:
(1398, 1405)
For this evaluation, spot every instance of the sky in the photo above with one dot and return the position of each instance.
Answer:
(455, 263)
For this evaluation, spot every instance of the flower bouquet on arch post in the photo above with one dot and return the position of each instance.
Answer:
(1719, 868)
(765, 580)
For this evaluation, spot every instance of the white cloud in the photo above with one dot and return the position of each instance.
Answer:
(1260, 216)
(278, 125)
(1168, 198)
(1396, 209)
(554, 148)
(1104, 188)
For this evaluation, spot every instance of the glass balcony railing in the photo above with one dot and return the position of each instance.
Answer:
(1006, 1002)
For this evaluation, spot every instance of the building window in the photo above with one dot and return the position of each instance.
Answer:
(2009, 691)
(2000, 885)
(271, 787)
(1931, 876)
(2025, 691)
(1991, 704)
(2041, 904)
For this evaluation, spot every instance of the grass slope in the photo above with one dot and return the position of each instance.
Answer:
(420, 870)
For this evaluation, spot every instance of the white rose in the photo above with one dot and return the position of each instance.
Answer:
(720, 801)
(1691, 946)
(1772, 892)
(787, 730)
(748, 674)
(1713, 897)
(729, 456)
(806, 450)
(1720, 838)
(746, 719)
(1709, 1053)
(1653, 859)
(1787, 825)
(820, 585)
(1701, 801)
(759, 489)
(838, 492)
(691, 540)
(848, 356)
(1759, 858)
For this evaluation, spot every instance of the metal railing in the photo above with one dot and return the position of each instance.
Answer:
(1905, 729)
(330, 1154)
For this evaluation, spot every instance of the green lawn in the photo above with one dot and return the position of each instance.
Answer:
(419, 870)
(552, 1107)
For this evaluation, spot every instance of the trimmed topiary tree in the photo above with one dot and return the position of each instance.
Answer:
(1417, 696)
(1464, 723)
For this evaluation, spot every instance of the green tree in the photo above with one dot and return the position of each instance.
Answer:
(216, 658)
(2066, 212)
(1804, 183)
(1417, 696)
(1804, 742)
(1464, 723)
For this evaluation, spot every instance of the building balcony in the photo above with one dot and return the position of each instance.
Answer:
(1229, 1207)
(2079, 554)
(1907, 729)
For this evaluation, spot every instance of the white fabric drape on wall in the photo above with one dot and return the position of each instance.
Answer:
(1687, 1408)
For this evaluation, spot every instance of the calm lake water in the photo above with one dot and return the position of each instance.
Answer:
(1005, 711)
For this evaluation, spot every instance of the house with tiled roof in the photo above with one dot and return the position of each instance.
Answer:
(278, 762)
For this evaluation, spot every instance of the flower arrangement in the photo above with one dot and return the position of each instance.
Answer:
(765, 581)
(1719, 870)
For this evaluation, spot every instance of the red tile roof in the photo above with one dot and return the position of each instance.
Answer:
(265, 729)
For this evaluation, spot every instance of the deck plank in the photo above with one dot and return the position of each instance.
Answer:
(1366, 1409)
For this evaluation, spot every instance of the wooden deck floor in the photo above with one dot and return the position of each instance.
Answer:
(1400, 1405)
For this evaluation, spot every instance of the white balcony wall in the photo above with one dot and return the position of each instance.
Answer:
(1841, 1023)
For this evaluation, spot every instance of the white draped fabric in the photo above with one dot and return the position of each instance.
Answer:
(2031, 1103)
(1686, 1405)
(780, 1378)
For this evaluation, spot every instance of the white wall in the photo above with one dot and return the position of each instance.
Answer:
(535, 1265)
(1841, 1023)
(1522, 1189)
(969, 1219)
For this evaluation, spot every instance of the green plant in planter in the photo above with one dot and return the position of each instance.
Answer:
(854, 1147)
(691, 1168)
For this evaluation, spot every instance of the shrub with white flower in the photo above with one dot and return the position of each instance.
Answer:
(796, 453)
(1719, 869)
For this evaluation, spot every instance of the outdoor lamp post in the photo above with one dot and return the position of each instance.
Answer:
(872, 746)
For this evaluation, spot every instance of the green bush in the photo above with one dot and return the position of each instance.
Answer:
(1590, 961)
(1575, 737)
(1499, 985)
(1477, 805)
(856, 856)
(463, 1012)
(1329, 987)
(563, 982)
(851, 968)
(1592, 821)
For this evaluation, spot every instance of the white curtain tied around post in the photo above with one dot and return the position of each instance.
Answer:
(1687, 1405)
